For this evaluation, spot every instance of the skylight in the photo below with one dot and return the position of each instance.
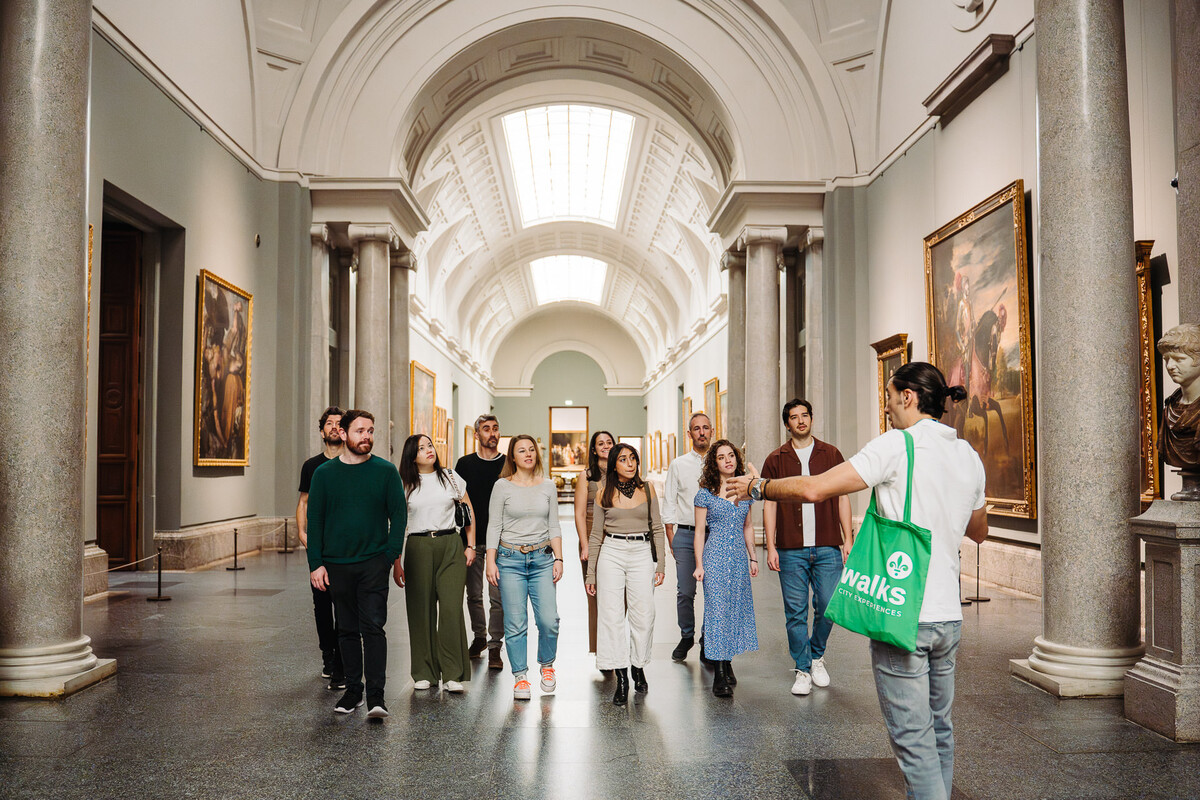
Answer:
(568, 162)
(568, 278)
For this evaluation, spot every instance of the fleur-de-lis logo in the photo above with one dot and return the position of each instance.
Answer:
(899, 565)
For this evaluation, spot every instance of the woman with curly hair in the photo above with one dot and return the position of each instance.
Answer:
(626, 555)
(725, 563)
(587, 485)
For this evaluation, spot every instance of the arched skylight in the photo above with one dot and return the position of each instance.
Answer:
(568, 278)
(568, 162)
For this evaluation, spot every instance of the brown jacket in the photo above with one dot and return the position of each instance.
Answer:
(789, 531)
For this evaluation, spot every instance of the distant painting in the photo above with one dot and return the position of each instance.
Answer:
(568, 438)
(891, 354)
(421, 403)
(468, 439)
(722, 415)
(670, 449)
(977, 294)
(712, 406)
(224, 315)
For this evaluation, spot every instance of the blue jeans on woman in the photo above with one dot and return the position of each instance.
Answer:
(800, 568)
(525, 578)
(916, 693)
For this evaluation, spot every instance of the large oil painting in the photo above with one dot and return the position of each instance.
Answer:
(568, 438)
(422, 388)
(977, 295)
(224, 315)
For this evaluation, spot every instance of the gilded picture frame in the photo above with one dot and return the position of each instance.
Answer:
(722, 416)
(224, 328)
(438, 435)
(1148, 401)
(422, 393)
(712, 405)
(468, 440)
(977, 312)
(568, 427)
(891, 354)
(670, 448)
(658, 449)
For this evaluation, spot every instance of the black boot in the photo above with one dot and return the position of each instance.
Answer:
(681, 650)
(721, 686)
(607, 673)
(621, 695)
(729, 673)
(704, 659)
(639, 680)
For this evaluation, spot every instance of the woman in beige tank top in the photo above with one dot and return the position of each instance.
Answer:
(587, 485)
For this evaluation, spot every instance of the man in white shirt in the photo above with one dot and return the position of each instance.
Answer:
(679, 518)
(916, 690)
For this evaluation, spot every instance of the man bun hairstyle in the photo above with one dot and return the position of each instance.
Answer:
(929, 384)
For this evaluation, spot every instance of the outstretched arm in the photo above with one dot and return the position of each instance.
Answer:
(842, 479)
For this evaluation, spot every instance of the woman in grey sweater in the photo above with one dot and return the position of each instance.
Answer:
(524, 559)
(626, 554)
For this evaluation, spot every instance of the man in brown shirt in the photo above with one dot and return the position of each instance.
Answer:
(806, 544)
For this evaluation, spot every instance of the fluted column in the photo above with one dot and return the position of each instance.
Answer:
(44, 68)
(764, 247)
(1088, 349)
(372, 391)
(735, 400)
(402, 264)
(1186, 33)
(816, 333)
(318, 340)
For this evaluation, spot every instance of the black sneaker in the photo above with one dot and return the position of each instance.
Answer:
(350, 701)
(681, 650)
(336, 683)
(477, 648)
(328, 663)
(377, 709)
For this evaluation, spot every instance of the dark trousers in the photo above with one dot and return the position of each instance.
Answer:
(326, 632)
(360, 594)
(485, 623)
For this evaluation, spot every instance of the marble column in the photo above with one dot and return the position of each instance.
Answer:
(402, 264)
(764, 247)
(43, 271)
(735, 401)
(318, 340)
(347, 265)
(372, 390)
(1186, 33)
(1088, 346)
(816, 334)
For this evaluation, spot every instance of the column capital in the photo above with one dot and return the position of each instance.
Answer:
(756, 234)
(404, 260)
(814, 237)
(381, 232)
(732, 258)
(319, 233)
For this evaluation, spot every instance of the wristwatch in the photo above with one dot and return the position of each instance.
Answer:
(756, 489)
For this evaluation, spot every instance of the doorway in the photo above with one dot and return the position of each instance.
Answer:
(119, 392)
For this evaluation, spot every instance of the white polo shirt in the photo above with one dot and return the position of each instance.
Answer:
(948, 485)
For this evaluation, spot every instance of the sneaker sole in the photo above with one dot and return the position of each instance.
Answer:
(377, 712)
(549, 689)
(341, 710)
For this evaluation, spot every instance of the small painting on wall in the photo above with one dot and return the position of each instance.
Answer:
(422, 389)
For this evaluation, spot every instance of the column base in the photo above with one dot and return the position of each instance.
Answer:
(59, 686)
(1165, 698)
(1067, 671)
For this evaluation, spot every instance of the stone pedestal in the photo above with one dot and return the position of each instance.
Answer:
(44, 66)
(734, 264)
(1162, 692)
(1088, 371)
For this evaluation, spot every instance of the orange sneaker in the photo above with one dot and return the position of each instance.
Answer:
(548, 682)
(521, 690)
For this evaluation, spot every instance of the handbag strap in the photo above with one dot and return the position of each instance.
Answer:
(908, 449)
(454, 484)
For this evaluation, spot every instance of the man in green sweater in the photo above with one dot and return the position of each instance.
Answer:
(356, 520)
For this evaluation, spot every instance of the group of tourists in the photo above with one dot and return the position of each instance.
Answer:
(358, 514)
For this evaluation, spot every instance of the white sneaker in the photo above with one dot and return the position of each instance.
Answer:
(803, 684)
(453, 686)
(422, 685)
(820, 675)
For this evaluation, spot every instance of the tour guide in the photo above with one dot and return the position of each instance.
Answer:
(356, 520)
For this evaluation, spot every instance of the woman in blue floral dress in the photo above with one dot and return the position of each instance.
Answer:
(725, 563)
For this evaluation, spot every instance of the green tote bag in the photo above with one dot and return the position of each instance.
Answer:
(883, 583)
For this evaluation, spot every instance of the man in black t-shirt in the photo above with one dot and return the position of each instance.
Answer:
(481, 470)
(331, 435)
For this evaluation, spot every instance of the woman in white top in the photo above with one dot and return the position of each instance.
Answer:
(916, 690)
(435, 567)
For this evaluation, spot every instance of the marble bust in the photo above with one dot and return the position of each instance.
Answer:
(1179, 435)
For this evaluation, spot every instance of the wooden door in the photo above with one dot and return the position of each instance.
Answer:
(119, 393)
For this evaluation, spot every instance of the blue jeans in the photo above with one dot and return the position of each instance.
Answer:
(683, 545)
(820, 567)
(525, 578)
(916, 693)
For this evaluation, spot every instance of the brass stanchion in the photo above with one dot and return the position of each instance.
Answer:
(160, 597)
(235, 567)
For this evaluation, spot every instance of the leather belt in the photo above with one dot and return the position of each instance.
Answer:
(526, 548)
(685, 527)
(632, 537)
(443, 532)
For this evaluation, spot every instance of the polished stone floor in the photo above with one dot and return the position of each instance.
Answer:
(217, 695)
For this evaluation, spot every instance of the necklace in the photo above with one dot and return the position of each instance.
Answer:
(628, 487)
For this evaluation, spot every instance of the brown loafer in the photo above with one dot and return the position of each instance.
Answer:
(494, 659)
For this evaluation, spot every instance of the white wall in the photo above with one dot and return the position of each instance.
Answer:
(706, 360)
